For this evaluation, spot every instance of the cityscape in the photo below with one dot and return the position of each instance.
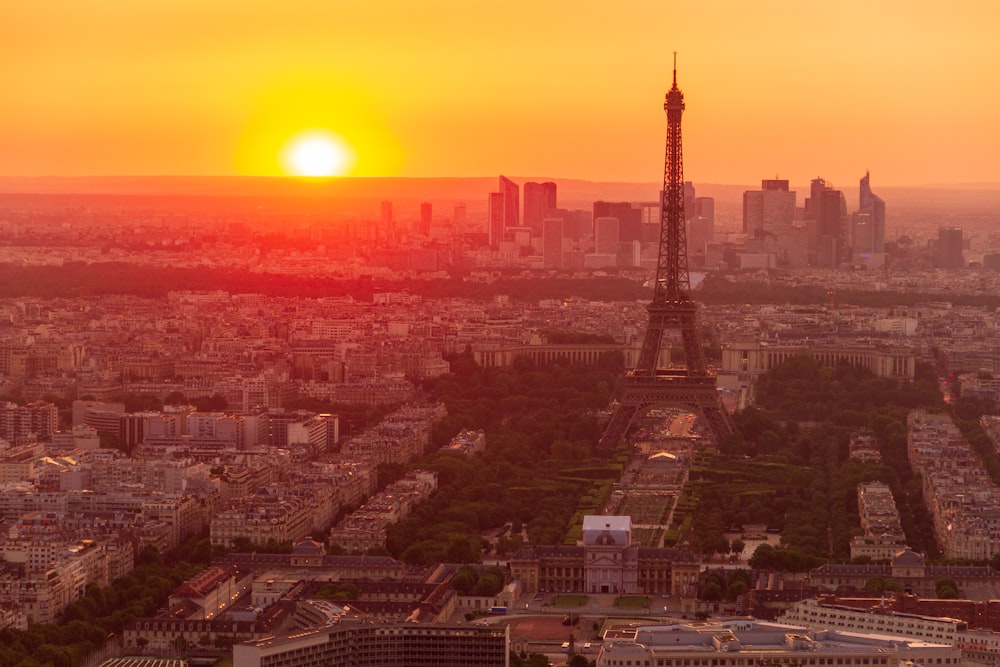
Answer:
(341, 399)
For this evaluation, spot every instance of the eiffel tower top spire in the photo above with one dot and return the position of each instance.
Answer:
(672, 280)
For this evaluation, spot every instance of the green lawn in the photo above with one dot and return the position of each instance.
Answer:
(632, 602)
(569, 600)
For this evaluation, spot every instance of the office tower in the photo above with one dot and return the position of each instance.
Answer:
(862, 235)
(576, 223)
(629, 254)
(552, 243)
(539, 203)
(425, 218)
(606, 236)
(387, 226)
(770, 209)
(495, 219)
(872, 205)
(629, 218)
(650, 385)
(689, 197)
(459, 217)
(828, 209)
(949, 248)
(511, 203)
(704, 207)
(504, 210)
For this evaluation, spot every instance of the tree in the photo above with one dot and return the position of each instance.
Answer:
(737, 546)
(536, 660)
(213, 403)
(490, 582)
(946, 588)
(711, 591)
(464, 580)
(175, 398)
(149, 555)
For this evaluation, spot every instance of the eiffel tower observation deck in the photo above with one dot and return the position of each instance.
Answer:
(691, 386)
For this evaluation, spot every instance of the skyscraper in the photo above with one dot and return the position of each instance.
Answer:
(425, 218)
(495, 222)
(388, 226)
(511, 203)
(827, 208)
(949, 248)
(770, 209)
(458, 213)
(504, 210)
(701, 226)
(629, 218)
(552, 243)
(539, 203)
(606, 235)
(873, 207)
(689, 197)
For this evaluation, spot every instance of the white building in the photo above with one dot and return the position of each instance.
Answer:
(747, 642)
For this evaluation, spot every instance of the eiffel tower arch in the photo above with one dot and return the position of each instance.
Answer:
(648, 385)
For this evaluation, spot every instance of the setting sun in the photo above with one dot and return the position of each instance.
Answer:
(317, 154)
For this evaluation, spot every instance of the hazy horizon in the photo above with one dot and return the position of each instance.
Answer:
(384, 88)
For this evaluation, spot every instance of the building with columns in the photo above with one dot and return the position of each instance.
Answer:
(605, 561)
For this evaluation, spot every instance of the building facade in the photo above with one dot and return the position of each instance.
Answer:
(383, 645)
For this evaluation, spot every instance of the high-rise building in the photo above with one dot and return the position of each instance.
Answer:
(387, 228)
(495, 223)
(701, 226)
(504, 210)
(629, 255)
(872, 208)
(606, 235)
(704, 207)
(539, 203)
(459, 217)
(770, 209)
(828, 209)
(552, 243)
(629, 218)
(689, 197)
(949, 248)
(511, 203)
(425, 218)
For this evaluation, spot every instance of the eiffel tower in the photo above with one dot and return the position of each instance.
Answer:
(647, 385)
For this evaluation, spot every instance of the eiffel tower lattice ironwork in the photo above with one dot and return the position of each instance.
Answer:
(647, 385)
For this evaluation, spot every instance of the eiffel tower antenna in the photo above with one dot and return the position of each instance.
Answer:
(649, 385)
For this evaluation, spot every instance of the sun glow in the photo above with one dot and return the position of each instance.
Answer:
(317, 154)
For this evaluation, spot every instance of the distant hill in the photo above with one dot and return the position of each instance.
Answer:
(357, 195)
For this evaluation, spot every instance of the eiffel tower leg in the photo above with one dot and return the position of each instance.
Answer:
(718, 420)
(617, 428)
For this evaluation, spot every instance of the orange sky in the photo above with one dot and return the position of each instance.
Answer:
(562, 88)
